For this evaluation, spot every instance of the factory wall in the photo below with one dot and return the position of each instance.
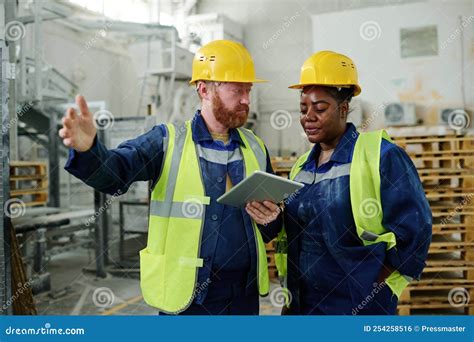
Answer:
(372, 38)
(280, 43)
(101, 68)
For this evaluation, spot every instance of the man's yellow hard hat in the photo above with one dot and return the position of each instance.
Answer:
(328, 68)
(223, 61)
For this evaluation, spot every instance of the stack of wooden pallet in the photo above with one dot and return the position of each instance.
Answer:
(446, 167)
(272, 270)
(282, 165)
(29, 182)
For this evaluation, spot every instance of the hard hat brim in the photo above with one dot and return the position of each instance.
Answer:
(357, 89)
(257, 80)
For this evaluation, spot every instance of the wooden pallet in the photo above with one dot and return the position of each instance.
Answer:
(431, 153)
(445, 165)
(435, 139)
(282, 165)
(29, 182)
(437, 266)
(449, 151)
(451, 228)
(452, 209)
(272, 271)
(452, 295)
(456, 194)
(434, 307)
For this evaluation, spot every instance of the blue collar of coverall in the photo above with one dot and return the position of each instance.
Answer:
(343, 152)
(201, 132)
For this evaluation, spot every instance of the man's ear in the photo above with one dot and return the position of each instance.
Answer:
(203, 90)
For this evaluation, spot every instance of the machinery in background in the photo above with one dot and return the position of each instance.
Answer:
(454, 117)
(204, 28)
(400, 114)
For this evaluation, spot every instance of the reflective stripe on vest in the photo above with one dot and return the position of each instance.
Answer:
(169, 264)
(365, 202)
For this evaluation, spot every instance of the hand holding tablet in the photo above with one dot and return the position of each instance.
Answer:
(259, 186)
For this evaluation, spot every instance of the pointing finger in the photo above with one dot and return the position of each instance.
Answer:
(82, 104)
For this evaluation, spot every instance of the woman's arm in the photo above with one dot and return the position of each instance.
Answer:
(406, 211)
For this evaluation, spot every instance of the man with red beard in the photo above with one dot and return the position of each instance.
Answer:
(202, 257)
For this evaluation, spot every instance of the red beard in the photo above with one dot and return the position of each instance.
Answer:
(229, 118)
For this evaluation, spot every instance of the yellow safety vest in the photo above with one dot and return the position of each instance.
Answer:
(364, 190)
(170, 262)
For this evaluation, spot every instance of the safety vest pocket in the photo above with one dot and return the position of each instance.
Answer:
(152, 273)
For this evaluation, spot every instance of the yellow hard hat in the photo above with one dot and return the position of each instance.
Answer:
(328, 68)
(223, 61)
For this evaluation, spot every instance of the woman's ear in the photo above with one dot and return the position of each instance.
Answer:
(344, 107)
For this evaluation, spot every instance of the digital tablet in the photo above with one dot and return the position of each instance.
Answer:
(259, 186)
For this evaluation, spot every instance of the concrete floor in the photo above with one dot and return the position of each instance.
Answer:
(79, 292)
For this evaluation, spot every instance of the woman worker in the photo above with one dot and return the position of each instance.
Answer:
(360, 229)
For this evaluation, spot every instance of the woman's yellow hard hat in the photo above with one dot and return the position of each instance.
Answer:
(328, 68)
(223, 61)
